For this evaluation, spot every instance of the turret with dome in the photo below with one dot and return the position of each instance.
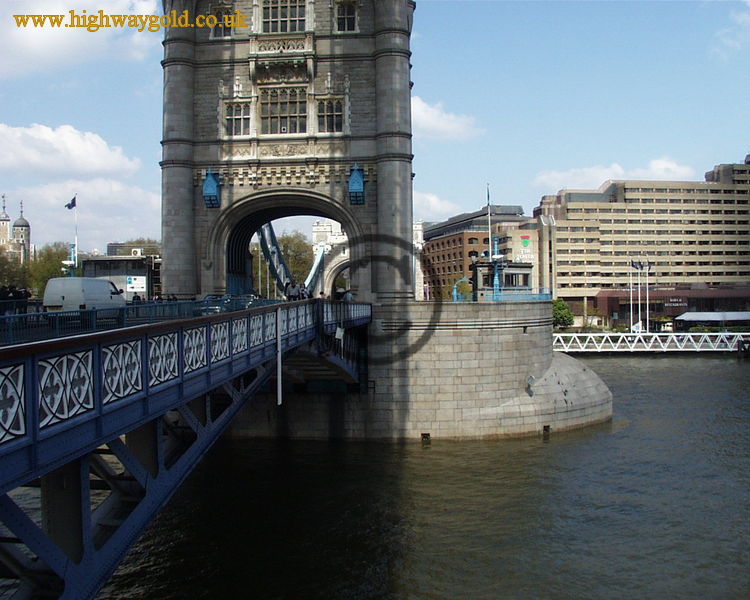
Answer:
(15, 239)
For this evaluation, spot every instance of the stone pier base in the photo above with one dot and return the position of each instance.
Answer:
(455, 371)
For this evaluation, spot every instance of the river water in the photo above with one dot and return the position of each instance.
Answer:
(655, 504)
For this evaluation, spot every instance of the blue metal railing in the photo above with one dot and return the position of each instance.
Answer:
(34, 326)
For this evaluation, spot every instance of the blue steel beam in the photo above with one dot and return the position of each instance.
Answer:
(170, 389)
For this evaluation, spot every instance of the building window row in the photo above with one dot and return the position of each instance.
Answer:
(283, 111)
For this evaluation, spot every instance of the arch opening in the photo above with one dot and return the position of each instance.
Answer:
(233, 262)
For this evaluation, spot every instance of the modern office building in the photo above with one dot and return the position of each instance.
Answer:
(690, 239)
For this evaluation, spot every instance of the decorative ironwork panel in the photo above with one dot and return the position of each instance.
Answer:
(12, 403)
(239, 335)
(66, 387)
(308, 316)
(284, 320)
(121, 364)
(194, 348)
(256, 330)
(328, 317)
(162, 358)
(219, 341)
(270, 318)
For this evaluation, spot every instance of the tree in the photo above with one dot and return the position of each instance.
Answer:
(47, 264)
(561, 314)
(298, 255)
(12, 272)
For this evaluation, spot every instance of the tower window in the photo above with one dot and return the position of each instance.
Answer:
(330, 116)
(223, 26)
(238, 119)
(346, 16)
(283, 16)
(283, 110)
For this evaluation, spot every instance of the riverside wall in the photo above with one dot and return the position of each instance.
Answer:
(452, 370)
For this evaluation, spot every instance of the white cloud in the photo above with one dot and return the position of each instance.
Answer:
(42, 150)
(434, 122)
(108, 211)
(662, 169)
(39, 49)
(429, 207)
(734, 38)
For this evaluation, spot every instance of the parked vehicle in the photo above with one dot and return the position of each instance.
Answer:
(81, 293)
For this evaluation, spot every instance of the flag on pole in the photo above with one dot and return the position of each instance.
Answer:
(72, 204)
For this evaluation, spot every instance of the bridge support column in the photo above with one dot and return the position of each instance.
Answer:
(64, 494)
(143, 444)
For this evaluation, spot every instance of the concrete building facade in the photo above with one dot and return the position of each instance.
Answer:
(685, 234)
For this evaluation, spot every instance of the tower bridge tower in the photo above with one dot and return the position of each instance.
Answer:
(288, 107)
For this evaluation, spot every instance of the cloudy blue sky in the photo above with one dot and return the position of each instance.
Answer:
(530, 97)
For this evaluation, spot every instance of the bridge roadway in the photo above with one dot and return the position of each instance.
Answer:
(97, 431)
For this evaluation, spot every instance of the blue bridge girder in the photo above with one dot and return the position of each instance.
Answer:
(277, 266)
(98, 431)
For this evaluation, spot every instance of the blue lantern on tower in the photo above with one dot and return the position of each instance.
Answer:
(211, 190)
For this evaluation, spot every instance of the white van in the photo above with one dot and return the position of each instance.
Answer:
(80, 293)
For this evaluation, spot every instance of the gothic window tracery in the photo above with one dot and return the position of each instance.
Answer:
(331, 115)
(283, 110)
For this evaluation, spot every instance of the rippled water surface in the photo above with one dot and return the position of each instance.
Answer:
(655, 504)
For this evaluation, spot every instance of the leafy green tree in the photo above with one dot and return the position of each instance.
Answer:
(12, 272)
(47, 264)
(298, 255)
(561, 314)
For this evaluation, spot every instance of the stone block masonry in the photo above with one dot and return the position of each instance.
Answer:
(461, 371)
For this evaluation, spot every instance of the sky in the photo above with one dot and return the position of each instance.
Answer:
(526, 97)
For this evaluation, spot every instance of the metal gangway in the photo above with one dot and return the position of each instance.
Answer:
(277, 265)
(649, 342)
(97, 431)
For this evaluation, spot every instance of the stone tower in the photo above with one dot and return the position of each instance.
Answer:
(287, 107)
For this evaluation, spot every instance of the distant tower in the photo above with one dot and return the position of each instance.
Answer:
(4, 226)
(22, 237)
(299, 107)
(15, 240)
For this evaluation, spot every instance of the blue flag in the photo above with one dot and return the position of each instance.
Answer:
(72, 204)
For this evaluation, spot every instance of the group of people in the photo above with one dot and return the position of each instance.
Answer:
(13, 300)
(157, 298)
(294, 291)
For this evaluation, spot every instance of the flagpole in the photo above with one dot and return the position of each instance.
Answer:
(630, 285)
(648, 268)
(489, 226)
(75, 210)
(639, 299)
